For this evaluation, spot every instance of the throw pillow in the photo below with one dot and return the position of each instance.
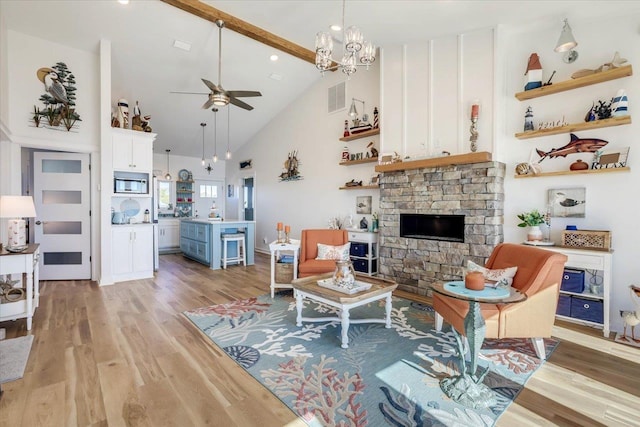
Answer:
(502, 277)
(338, 253)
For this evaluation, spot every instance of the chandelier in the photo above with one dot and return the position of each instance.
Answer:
(356, 51)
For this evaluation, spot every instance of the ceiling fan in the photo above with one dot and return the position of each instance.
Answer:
(218, 95)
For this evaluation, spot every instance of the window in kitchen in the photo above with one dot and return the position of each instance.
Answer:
(208, 191)
(164, 195)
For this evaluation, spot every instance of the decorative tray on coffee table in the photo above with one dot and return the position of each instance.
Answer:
(352, 289)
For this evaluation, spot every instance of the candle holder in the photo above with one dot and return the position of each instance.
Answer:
(286, 237)
(280, 239)
(474, 134)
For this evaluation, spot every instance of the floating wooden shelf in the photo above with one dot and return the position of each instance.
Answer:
(586, 171)
(357, 162)
(456, 159)
(596, 124)
(361, 135)
(591, 79)
(361, 187)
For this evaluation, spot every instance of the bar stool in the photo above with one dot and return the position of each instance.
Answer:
(240, 257)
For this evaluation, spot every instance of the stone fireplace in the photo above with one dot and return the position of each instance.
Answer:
(472, 189)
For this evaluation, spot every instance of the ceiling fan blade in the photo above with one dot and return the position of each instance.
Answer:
(211, 86)
(243, 93)
(208, 104)
(190, 93)
(240, 104)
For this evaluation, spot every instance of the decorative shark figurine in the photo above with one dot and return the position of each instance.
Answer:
(577, 145)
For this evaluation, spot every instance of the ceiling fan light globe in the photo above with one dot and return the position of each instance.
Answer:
(220, 99)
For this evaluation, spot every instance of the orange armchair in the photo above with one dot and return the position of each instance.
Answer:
(538, 276)
(309, 240)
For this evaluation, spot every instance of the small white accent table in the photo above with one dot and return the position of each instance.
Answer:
(27, 262)
(276, 248)
(308, 288)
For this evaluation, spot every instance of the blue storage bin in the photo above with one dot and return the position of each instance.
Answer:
(587, 309)
(362, 266)
(358, 249)
(564, 305)
(572, 280)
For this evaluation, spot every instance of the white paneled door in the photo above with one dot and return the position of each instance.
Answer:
(61, 185)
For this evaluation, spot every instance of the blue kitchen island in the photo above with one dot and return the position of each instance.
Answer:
(200, 239)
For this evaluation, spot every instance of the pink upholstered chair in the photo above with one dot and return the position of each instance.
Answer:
(309, 240)
(538, 276)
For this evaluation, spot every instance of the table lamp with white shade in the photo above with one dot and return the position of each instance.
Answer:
(16, 208)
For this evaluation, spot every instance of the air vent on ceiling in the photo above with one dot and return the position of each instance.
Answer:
(336, 98)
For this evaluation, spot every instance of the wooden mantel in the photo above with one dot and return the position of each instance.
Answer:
(456, 159)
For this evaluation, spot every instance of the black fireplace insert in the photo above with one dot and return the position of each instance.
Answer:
(448, 228)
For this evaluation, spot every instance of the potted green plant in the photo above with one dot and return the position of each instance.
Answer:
(533, 220)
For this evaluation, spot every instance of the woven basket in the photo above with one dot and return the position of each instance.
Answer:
(587, 239)
(284, 272)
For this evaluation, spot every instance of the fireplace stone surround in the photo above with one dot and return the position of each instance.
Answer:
(475, 190)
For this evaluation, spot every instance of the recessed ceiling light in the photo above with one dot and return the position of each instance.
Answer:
(273, 57)
(123, 1)
(179, 44)
(335, 27)
(275, 76)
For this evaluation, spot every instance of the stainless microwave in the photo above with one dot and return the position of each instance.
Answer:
(123, 184)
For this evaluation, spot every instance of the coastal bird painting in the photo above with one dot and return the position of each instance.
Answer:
(52, 85)
(567, 202)
(577, 145)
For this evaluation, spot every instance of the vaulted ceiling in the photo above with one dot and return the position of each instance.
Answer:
(146, 67)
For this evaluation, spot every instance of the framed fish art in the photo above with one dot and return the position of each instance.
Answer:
(575, 146)
(567, 202)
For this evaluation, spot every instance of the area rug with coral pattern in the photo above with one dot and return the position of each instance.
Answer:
(385, 377)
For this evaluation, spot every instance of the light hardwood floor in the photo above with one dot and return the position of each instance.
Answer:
(123, 355)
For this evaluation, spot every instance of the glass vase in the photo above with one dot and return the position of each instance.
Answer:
(344, 274)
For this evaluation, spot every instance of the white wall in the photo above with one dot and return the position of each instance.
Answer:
(427, 89)
(306, 126)
(611, 202)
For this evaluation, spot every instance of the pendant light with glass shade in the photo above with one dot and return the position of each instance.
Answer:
(203, 125)
(228, 155)
(168, 175)
(215, 134)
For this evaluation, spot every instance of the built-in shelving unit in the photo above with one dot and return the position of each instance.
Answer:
(361, 187)
(184, 192)
(603, 76)
(358, 162)
(582, 172)
(576, 127)
(361, 135)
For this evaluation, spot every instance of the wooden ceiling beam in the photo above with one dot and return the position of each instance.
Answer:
(212, 14)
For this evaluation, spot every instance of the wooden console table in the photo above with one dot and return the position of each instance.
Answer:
(16, 264)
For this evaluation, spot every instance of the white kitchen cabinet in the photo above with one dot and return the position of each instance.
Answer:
(132, 252)
(168, 235)
(132, 150)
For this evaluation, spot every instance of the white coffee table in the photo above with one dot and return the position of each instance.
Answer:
(308, 288)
